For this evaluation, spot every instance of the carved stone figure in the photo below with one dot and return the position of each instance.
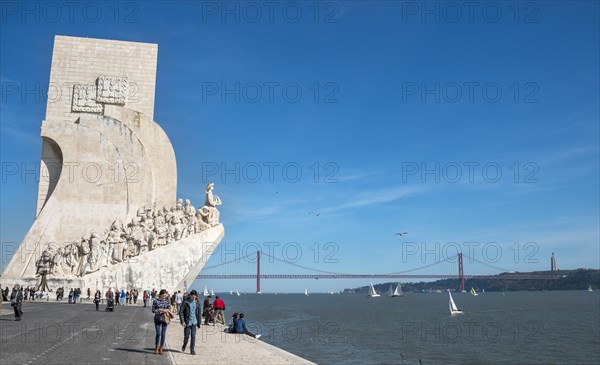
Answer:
(84, 251)
(202, 219)
(137, 239)
(44, 263)
(211, 202)
(93, 259)
(70, 254)
(116, 243)
(57, 262)
(188, 208)
(160, 229)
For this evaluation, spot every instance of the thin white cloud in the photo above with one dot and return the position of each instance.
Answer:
(373, 197)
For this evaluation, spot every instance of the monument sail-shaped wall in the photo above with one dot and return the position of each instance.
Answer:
(106, 212)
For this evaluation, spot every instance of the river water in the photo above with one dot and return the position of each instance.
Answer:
(546, 327)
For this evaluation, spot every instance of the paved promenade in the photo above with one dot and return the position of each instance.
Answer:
(60, 333)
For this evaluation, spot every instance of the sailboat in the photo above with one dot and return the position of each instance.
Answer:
(397, 292)
(205, 291)
(372, 292)
(590, 287)
(473, 292)
(453, 308)
(305, 291)
(237, 292)
(212, 292)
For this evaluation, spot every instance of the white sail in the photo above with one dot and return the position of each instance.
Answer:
(305, 291)
(390, 291)
(212, 292)
(590, 287)
(205, 291)
(372, 292)
(398, 291)
(237, 292)
(453, 308)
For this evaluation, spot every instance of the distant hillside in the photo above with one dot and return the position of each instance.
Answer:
(578, 279)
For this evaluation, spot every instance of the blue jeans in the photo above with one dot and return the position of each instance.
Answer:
(186, 335)
(161, 333)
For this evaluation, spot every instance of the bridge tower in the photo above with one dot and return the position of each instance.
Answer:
(258, 272)
(461, 274)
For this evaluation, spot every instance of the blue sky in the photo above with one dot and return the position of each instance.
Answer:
(387, 90)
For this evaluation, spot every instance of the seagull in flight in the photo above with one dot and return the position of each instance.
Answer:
(401, 234)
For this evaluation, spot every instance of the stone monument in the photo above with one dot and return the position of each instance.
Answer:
(107, 214)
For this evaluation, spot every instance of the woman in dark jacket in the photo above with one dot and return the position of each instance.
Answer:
(161, 308)
(97, 298)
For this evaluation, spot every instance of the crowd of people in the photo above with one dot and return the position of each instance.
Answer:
(164, 307)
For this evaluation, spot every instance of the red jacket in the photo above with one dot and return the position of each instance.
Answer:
(219, 304)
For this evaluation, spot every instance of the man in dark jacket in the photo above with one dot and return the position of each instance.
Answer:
(207, 308)
(190, 318)
(16, 300)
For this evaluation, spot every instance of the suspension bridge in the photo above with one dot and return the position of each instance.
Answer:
(443, 269)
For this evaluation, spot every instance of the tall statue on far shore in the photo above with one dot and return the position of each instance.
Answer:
(209, 213)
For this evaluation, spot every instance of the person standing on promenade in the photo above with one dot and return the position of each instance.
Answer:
(110, 298)
(135, 295)
(89, 293)
(145, 296)
(16, 301)
(240, 327)
(152, 296)
(189, 315)
(122, 297)
(206, 310)
(161, 308)
(179, 301)
(97, 297)
(219, 306)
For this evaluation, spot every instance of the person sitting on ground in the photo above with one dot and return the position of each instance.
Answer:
(231, 327)
(240, 327)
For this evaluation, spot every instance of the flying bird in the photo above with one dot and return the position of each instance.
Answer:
(401, 234)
